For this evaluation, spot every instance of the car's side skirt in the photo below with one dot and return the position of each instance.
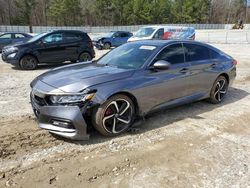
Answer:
(179, 101)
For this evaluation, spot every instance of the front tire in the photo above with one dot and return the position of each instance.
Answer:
(28, 62)
(219, 90)
(115, 116)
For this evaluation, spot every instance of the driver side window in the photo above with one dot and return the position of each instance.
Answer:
(53, 38)
(116, 35)
(174, 54)
(159, 34)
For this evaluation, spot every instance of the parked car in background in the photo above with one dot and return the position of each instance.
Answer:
(52, 47)
(164, 32)
(129, 82)
(11, 38)
(112, 39)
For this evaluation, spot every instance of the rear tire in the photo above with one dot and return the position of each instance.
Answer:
(28, 62)
(85, 56)
(115, 116)
(106, 46)
(219, 90)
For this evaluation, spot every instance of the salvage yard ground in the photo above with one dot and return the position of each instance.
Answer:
(196, 145)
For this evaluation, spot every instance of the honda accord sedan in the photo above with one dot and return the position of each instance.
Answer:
(127, 83)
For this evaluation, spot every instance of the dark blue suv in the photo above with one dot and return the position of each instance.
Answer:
(112, 39)
(51, 47)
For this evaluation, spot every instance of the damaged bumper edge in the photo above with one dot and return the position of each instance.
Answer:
(64, 121)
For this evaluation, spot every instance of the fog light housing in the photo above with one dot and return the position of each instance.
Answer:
(63, 124)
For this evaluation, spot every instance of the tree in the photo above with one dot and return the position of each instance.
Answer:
(25, 8)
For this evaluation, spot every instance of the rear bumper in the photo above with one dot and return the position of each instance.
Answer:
(64, 121)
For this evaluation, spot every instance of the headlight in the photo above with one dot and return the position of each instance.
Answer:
(11, 55)
(11, 49)
(66, 99)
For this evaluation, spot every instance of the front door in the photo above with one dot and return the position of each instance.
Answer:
(50, 49)
(165, 85)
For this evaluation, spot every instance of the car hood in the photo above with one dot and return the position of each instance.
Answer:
(21, 43)
(76, 78)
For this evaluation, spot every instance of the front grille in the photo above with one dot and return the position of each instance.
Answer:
(37, 102)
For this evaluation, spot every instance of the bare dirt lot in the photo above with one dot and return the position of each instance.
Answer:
(196, 145)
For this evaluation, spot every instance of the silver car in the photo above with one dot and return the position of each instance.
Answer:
(127, 83)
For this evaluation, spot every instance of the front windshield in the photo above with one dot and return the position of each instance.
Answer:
(108, 35)
(128, 56)
(37, 37)
(145, 32)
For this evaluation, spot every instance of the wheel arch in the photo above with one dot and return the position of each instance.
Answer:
(131, 96)
(30, 54)
(226, 76)
(85, 51)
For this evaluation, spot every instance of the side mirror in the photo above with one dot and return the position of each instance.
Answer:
(40, 42)
(161, 65)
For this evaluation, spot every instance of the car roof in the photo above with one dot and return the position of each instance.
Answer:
(167, 27)
(67, 31)
(14, 33)
(166, 42)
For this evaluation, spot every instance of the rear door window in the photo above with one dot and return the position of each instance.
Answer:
(19, 36)
(72, 37)
(194, 52)
(174, 54)
(124, 35)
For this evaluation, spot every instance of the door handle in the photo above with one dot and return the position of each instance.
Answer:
(184, 70)
(213, 65)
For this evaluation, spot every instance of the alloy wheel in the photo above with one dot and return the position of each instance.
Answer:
(220, 90)
(28, 63)
(117, 116)
(85, 57)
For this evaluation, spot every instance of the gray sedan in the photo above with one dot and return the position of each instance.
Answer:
(129, 82)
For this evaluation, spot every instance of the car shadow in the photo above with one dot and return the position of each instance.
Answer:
(167, 117)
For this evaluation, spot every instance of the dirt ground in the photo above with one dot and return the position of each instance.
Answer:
(196, 145)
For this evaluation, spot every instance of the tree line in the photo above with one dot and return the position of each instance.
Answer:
(120, 12)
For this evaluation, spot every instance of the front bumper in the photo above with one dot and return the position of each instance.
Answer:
(65, 121)
(97, 44)
(9, 59)
(73, 125)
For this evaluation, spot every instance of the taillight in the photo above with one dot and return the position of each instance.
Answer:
(235, 62)
(90, 44)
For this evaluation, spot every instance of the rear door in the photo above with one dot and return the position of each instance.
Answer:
(202, 76)
(72, 42)
(120, 38)
(167, 85)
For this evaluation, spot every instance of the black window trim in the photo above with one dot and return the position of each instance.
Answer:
(190, 62)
